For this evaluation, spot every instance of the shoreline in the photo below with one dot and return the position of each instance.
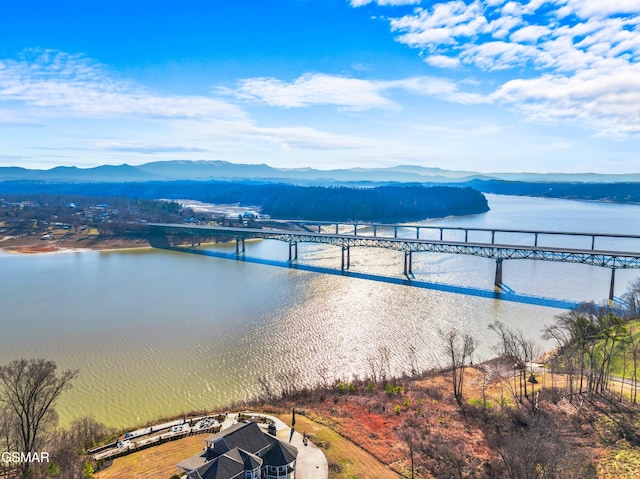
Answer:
(106, 246)
(28, 248)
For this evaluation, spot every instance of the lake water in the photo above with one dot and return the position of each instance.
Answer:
(157, 333)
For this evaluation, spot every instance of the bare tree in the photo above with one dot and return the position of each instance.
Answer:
(521, 351)
(69, 446)
(289, 381)
(379, 364)
(459, 348)
(8, 430)
(323, 372)
(31, 387)
(632, 297)
(408, 437)
(412, 356)
(266, 388)
(635, 357)
(531, 448)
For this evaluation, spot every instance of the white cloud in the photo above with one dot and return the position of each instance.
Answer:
(435, 87)
(318, 89)
(346, 93)
(601, 8)
(230, 133)
(309, 138)
(571, 44)
(609, 103)
(456, 29)
(54, 88)
(57, 83)
(442, 61)
(520, 9)
(529, 34)
(441, 25)
(498, 55)
(383, 3)
(501, 27)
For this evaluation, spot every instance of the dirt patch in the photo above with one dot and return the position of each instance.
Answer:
(34, 249)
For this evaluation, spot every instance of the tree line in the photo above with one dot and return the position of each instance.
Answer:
(614, 192)
(383, 203)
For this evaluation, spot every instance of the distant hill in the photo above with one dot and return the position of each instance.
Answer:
(610, 192)
(223, 170)
(163, 177)
(382, 203)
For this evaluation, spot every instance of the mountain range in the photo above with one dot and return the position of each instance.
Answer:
(222, 170)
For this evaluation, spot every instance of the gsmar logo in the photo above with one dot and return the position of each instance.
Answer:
(22, 457)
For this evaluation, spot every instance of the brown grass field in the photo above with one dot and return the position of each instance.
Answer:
(346, 460)
(156, 462)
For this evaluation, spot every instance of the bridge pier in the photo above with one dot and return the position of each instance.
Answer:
(238, 242)
(293, 245)
(498, 281)
(612, 286)
(408, 266)
(348, 262)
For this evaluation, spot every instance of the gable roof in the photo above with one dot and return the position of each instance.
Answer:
(222, 467)
(249, 461)
(247, 436)
(280, 454)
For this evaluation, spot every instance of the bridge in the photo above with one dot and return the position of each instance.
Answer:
(410, 239)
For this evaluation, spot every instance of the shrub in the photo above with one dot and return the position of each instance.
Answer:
(392, 390)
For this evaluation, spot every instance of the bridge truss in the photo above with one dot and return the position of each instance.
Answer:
(499, 252)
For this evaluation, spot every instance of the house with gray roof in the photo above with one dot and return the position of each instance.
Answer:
(242, 451)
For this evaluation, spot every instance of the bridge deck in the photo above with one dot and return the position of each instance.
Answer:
(604, 258)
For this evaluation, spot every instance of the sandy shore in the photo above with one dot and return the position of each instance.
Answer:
(28, 245)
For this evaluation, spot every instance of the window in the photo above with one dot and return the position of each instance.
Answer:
(255, 474)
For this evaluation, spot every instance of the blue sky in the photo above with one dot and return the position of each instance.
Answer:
(482, 85)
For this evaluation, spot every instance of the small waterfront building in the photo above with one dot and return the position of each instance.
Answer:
(242, 451)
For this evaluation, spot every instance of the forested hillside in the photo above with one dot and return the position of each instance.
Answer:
(383, 203)
(613, 192)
